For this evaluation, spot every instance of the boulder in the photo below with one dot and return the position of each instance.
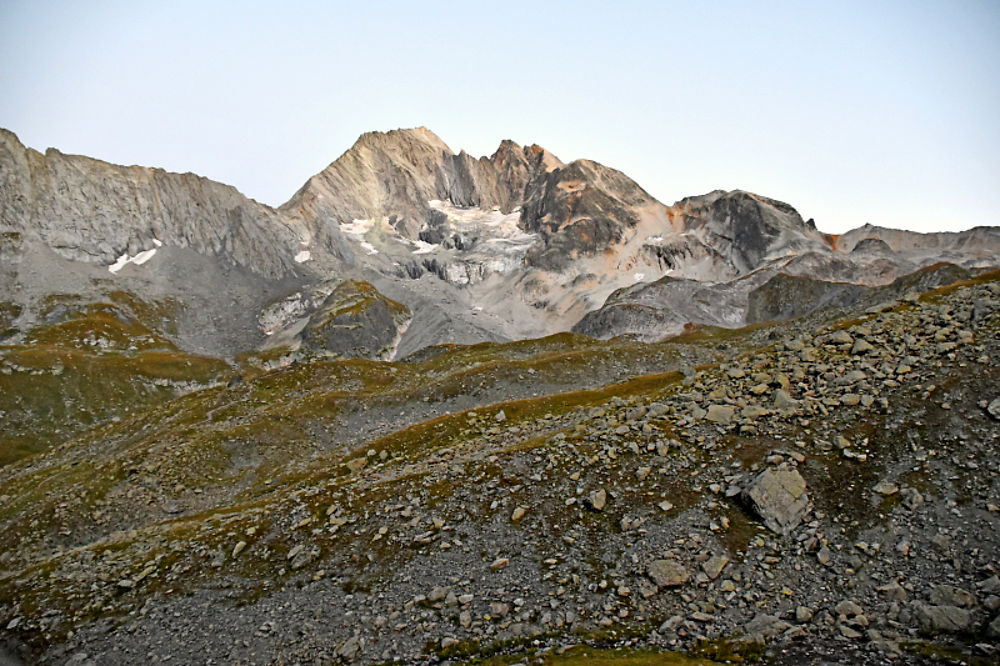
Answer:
(667, 573)
(949, 619)
(765, 626)
(778, 496)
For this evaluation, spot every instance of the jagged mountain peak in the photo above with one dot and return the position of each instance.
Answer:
(394, 175)
(401, 140)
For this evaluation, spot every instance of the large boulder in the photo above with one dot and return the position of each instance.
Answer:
(950, 619)
(778, 496)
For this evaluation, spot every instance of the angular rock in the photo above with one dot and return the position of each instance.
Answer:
(803, 614)
(597, 499)
(948, 595)
(667, 573)
(993, 628)
(778, 496)
(350, 648)
(893, 592)
(499, 563)
(950, 619)
(886, 487)
(765, 626)
(861, 347)
(784, 402)
(714, 566)
(994, 409)
(720, 413)
(841, 337)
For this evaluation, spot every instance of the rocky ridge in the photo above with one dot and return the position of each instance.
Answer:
(505, 247)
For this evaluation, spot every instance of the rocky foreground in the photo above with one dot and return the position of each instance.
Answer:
(826, 488)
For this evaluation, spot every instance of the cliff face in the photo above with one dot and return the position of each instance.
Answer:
(395, 174)
(88, 210)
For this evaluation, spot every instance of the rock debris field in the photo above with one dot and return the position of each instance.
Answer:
(818, 489)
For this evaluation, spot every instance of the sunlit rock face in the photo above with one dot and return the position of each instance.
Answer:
(517, 244)
(92, 211)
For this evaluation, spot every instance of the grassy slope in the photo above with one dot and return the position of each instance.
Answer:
(263, 461)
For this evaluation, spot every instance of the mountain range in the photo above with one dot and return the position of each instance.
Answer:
(506, 247)
(445, 409)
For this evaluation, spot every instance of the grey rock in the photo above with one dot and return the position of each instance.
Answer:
(994, 409)
(840, 337)
(949, 619)
(993, 628)
(990, 585)
(862, 347)
(356, 321)
(886, 487)
(912, 498)
(765, 626)
(597, 499)
(667, 573)
(893, 592)
(714, 565)
(949, 595)
(784, 402)
(671, 624)
(778, 496)
(848, 608)
(350, 648)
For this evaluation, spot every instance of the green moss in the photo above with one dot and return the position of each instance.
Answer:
(730, 650)
(158, 315)
(54, 393)
(9, 311)
(940, 294)
(945, 654)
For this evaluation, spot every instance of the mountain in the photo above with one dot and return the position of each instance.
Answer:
(437, 408)
(505, 247)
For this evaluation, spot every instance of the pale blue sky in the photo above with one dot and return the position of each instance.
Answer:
(853, 112)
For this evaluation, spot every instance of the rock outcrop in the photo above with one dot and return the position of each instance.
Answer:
(356, 321)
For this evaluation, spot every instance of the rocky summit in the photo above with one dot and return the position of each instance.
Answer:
(445, 409)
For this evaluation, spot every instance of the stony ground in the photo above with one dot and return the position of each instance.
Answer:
(825, 489)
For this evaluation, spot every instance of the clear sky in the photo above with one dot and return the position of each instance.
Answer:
(883, 112)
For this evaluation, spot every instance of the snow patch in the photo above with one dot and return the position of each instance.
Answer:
(639, 276)
(304, 255)
(357, 227)
(496, 223)
(138, 259)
